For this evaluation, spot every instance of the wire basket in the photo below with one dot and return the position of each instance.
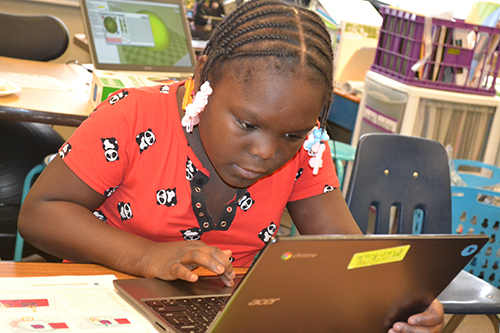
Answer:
(476, 210)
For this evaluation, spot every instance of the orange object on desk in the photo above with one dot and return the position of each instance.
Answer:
(33, 269)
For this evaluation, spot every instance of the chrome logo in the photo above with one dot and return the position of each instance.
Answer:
(286, 255)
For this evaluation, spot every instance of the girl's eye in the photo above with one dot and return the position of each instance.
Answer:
(246, 125)
(293, 136)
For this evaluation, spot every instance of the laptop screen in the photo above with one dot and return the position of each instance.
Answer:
(134, 35)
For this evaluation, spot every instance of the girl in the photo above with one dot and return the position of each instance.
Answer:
(155, 183)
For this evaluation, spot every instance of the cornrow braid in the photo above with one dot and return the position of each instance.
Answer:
(293, 35)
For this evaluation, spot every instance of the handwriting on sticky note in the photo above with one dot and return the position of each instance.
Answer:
(378, 257)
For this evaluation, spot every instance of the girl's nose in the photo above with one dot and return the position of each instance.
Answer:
(265, 148)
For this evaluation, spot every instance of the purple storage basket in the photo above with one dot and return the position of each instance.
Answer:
(400, 46)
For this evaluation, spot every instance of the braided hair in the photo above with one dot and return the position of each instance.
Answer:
(289, 37)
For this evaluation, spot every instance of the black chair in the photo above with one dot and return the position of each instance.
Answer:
(401, 184)
(41, 37)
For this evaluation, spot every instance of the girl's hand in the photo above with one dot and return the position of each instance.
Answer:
(430, 321)
(176, 260)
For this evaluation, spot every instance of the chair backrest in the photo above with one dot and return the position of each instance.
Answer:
(41, 37)
(408, 173)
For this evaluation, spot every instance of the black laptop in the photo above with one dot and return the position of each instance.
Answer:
(312, 284)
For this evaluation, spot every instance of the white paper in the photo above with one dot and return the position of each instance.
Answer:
(67, 304)
(37, 81)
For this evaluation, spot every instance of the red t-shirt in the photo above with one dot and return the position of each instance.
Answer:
(133, 150)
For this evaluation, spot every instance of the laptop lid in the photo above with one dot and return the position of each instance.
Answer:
(326, 283)
(138, 36)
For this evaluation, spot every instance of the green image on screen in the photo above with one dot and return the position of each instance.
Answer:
(110, 24)
(169, 39)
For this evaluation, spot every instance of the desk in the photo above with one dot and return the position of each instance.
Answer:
(50, 106)
(56, 107)
(33, 269)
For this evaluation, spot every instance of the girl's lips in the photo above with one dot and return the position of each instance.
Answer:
(248, 174)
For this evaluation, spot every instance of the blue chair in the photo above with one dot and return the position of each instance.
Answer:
(395, 176)
(28, 181)
(341, 154)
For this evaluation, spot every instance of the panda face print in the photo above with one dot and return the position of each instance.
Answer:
(110, 146)
(109, 192)
(299, 173)
(145, 139)
(192, 234)
(166, 197)
(115, 98)
(65, 150)
(266, 233)
(125, 211)
(246, 202)
(190, 170)
(100, 216)
(164, 89)
(328, 188)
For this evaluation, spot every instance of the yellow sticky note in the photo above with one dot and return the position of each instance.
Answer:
(378, 257)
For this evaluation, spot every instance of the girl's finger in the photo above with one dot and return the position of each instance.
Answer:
(179, 271)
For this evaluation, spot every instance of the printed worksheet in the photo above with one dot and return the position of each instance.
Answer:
(67, 304)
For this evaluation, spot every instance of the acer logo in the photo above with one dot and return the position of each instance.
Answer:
(263, 301)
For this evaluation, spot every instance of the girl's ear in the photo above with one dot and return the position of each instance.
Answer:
(200, 63)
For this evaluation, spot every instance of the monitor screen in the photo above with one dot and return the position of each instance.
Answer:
(138, 35)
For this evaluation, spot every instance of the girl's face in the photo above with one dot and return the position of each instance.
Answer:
(249, 131)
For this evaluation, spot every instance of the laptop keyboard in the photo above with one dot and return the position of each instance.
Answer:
(189, 314)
